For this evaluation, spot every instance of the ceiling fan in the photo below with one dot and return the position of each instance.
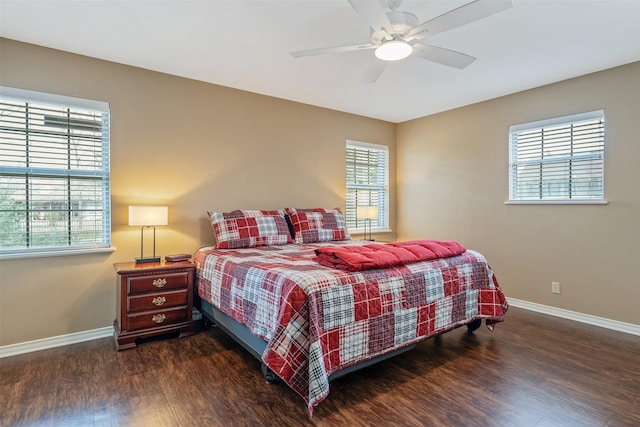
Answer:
(397, 34)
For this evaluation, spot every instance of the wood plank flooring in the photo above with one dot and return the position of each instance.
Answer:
(533, 370)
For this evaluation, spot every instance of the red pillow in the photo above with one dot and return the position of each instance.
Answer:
(318, 225)
(249, 228)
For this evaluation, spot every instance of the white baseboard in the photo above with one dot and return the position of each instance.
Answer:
(78, 337)
(59, 341)
(615, 325)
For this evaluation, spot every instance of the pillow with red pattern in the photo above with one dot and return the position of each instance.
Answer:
(318, 225)
(249, 228)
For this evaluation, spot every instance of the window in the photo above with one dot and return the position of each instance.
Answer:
(54, 173)
(558, 160)
(367, 183)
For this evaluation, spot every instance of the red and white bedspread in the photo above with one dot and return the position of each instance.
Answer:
(318, 320)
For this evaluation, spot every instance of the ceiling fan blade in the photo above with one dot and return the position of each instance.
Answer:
(327, 50)
(373, 13)
(374, 71)
(443, 56)
(465, 14)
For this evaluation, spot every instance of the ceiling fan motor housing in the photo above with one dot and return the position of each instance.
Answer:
(402, 23)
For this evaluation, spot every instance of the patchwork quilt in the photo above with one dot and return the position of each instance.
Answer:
(317, 320)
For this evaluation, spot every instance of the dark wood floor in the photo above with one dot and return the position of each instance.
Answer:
(533, 370)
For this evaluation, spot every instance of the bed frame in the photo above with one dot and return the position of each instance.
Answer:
(256, 346)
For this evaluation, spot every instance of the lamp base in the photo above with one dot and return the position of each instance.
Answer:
(147, 260)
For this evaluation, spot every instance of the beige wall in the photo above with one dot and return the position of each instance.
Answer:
(195, 146)
(453, 182)
(176, 142)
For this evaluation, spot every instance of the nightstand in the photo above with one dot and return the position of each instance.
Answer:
(153, 299)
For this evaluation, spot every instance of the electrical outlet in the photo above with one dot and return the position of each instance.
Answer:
(555, 287)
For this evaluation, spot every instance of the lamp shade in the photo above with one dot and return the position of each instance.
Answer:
(148, 215)
(367, 212)
(393, 50)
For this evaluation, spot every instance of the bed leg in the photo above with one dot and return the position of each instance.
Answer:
(473, 326)
(269, 375)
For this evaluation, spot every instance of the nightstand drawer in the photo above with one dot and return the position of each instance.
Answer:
(154, 319)
(157, 301)
(158, 282)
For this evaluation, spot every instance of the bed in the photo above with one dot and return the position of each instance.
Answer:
(309, 323)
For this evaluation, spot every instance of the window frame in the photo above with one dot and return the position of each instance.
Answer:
(382, 186)
(545, 125)
(99, 177)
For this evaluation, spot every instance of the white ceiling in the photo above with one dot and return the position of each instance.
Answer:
(246, 44)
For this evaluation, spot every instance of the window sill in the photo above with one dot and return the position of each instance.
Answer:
(386, 230)
(55, 253)
(374, 231)
(556, 202)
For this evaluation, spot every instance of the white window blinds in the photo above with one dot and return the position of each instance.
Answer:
(367, 183)
(54, 173)
(559, 159)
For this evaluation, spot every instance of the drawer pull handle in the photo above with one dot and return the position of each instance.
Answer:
(159, 283)
(159, 301)
(158, 318)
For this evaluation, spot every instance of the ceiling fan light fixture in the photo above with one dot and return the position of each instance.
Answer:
(393, 50)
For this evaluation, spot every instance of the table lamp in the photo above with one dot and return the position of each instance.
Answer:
(148, 217)
(367, 213)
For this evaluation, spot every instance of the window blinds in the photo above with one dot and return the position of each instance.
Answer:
(54, 172)
(560, 159)
(367, 171)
